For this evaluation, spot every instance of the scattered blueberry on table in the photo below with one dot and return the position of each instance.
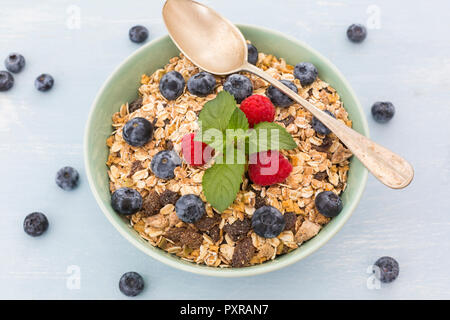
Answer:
(278, 98)
(356, 32)
(201, 84)
(328, 203)
(252, 56)
(190, 208)
(126, 201)
(67, 178)
(14, 62)
(172, 85)
(138, 34)
(164, 163)
(268, 222)
(131, 284)
(35, 224)
(388, 269)
(306, 72)
(319, 127)
(382, 112)
(137, 132)
(44, 82)
(6, 81)
(239, 86)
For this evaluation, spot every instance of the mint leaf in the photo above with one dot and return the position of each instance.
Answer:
(269, 136)
(238, 120)
(222, 182)
(216, 113)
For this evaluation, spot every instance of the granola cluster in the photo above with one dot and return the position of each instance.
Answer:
(320, 163)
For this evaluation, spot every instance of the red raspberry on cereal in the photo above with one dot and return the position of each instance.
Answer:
(268, 167)
(195, 153)
(258, 109)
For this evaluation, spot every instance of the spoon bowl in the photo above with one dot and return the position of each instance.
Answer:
(206, 38)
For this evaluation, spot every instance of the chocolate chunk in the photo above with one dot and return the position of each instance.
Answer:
(214, 233)
(136, 104)
(259, 202)
(326, 144)
(243, 253)
(206, 223)
(191, 238)
(166, 121)
(288, 120)
(320, 175)
(238, 229)
(169, 145)
(174, 234)
(290, 219)
(151, 204)
(185, 236)
(135, 166)
(168, 197)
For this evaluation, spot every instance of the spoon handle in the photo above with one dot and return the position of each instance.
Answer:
(387, 166)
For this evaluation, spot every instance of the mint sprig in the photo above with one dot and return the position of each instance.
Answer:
(225, 127)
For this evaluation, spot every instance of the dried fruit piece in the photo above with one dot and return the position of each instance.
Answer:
(151, 205)
(135, 105)
(243, 253)
(290, 218)
(191, 238)
(206, 223)
(238, 229)
(168, 197)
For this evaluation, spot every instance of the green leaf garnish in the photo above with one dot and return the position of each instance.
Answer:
(270, 136)
(216, 113)
(221, 183)
(238, 120)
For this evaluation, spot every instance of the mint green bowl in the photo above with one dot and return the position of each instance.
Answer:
(122, 86)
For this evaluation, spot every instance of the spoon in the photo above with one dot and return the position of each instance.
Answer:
(215, 45)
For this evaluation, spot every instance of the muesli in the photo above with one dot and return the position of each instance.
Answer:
(230, 237)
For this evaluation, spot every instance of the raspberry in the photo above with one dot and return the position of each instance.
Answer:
(268, 167)
(258, 109)
(196, 153)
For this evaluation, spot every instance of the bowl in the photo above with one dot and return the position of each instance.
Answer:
(122, 85)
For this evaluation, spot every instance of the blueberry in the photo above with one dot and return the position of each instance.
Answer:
(319, 127)
(328, 203)
(189, 208)
(138, 34)
(44, 82)
(163, 164)
(252, 56)
(356, 32)
(171, 85)
(15, 62)
(126, 201)
(137, 132)
(6, 80)
(388, 269)
(268, 222)
(35, 224)
(305, 72)
(131, 284)
(201, 84)
(67, 178)
(383, 111)
(239, 86)
(278, 98)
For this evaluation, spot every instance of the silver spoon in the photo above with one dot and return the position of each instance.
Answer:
(215, 45)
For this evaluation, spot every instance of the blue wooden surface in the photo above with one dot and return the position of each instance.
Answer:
(405, 59)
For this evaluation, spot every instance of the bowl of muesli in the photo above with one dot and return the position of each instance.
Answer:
(164, 188)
